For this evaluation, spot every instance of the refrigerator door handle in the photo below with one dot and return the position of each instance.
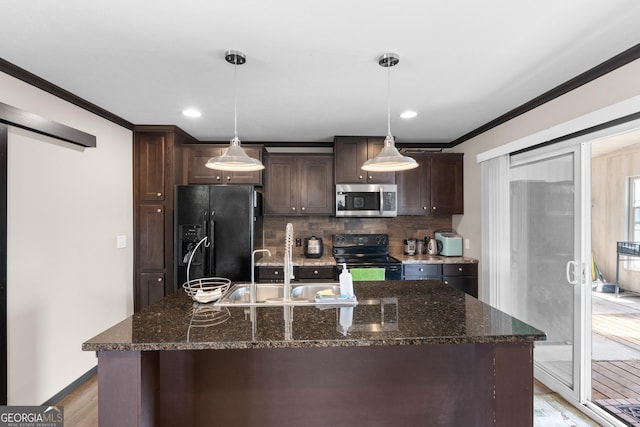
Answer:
(212, 247)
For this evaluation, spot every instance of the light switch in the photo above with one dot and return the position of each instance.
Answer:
(467, 244)
(121, 241)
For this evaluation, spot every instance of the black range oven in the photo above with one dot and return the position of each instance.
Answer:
(365, 251)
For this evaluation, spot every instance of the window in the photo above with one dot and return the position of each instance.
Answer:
(634, 217)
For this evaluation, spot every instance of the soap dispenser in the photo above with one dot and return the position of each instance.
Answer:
(346, 282)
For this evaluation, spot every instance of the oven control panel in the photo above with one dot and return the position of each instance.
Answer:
(355, 240)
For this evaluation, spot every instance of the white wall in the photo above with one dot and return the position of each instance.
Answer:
(617, 86)
(67, 281)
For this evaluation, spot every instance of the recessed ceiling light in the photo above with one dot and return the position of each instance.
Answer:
(191, 112)
(408, 114)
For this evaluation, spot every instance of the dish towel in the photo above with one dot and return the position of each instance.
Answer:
(363, 274)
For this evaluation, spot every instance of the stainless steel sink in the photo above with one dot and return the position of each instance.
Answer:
(239, 294)
(309, 292)
(271, 293)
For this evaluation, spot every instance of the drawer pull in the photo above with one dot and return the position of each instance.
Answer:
(276, 272)
(460, 269)
(315, 272)
(421, 269)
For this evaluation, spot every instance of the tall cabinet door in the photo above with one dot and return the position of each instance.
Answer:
(281, 185)
(150, 150)
(316, 185)
(446, 196)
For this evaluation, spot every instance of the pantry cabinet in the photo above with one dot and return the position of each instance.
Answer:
(157, 167)
(351, 152)
(299, 185)
(433, 188)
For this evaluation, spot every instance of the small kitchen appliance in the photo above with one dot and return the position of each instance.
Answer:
(366, 200)
(410, 246)
(432, 245)
(313, 247)
(365, 251)
(451, 243)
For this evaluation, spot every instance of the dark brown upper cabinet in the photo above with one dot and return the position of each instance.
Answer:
(435, 187)
(198, 173)
(299, 184)
(351, 152)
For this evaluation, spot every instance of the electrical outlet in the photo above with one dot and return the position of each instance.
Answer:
(121, 241)
(467, 244)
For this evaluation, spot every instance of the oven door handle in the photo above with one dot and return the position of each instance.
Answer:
(381, 200)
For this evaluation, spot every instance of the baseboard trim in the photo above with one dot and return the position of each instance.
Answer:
(71, 387)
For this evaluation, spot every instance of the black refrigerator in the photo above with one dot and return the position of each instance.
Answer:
(230, 216)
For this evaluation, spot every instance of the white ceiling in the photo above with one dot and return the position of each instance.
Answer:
(311, 70)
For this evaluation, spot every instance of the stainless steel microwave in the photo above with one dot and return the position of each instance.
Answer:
(367, 200)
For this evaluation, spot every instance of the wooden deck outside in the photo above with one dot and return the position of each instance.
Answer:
(617, 382)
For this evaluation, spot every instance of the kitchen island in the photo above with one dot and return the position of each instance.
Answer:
(414, 353)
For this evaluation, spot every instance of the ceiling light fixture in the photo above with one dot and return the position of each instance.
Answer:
(191, 112)
(389, 159)
(235, 158)
(408, 114)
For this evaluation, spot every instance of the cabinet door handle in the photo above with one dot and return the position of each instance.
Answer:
(424, 208)
(159, 279)
(293, 208)
(218, 178)
(304, 209)
(446, 282)
(159, 194)
(370, 177)
(433, 208)
(228, 178)
(159, 210)
(359, 176)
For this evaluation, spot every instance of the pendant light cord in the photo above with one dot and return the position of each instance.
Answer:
(388, 99)
(235, 98)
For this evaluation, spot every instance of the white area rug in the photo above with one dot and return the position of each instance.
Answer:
(548, 412)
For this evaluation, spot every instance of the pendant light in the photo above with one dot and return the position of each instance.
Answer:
(235, 158)
(389, 159)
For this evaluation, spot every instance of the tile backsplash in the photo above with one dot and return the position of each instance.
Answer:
(398, 229)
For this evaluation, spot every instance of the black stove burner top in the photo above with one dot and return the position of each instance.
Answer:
(366, 260)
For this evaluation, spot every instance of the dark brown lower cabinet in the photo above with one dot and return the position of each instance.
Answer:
(474, 384)
(314, 273)
(151, 288)
(301, 273)
(460, 276)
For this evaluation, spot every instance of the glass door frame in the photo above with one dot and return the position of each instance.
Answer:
(580, 389)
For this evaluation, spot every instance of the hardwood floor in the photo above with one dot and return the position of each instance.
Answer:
(81, 406)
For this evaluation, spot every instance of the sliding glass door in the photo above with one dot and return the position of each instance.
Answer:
(548, 207)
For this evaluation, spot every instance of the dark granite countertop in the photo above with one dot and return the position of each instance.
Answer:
(329, 260)
(435, 259)
(389, 313)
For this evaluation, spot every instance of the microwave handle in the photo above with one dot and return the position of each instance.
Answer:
(381, 200)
